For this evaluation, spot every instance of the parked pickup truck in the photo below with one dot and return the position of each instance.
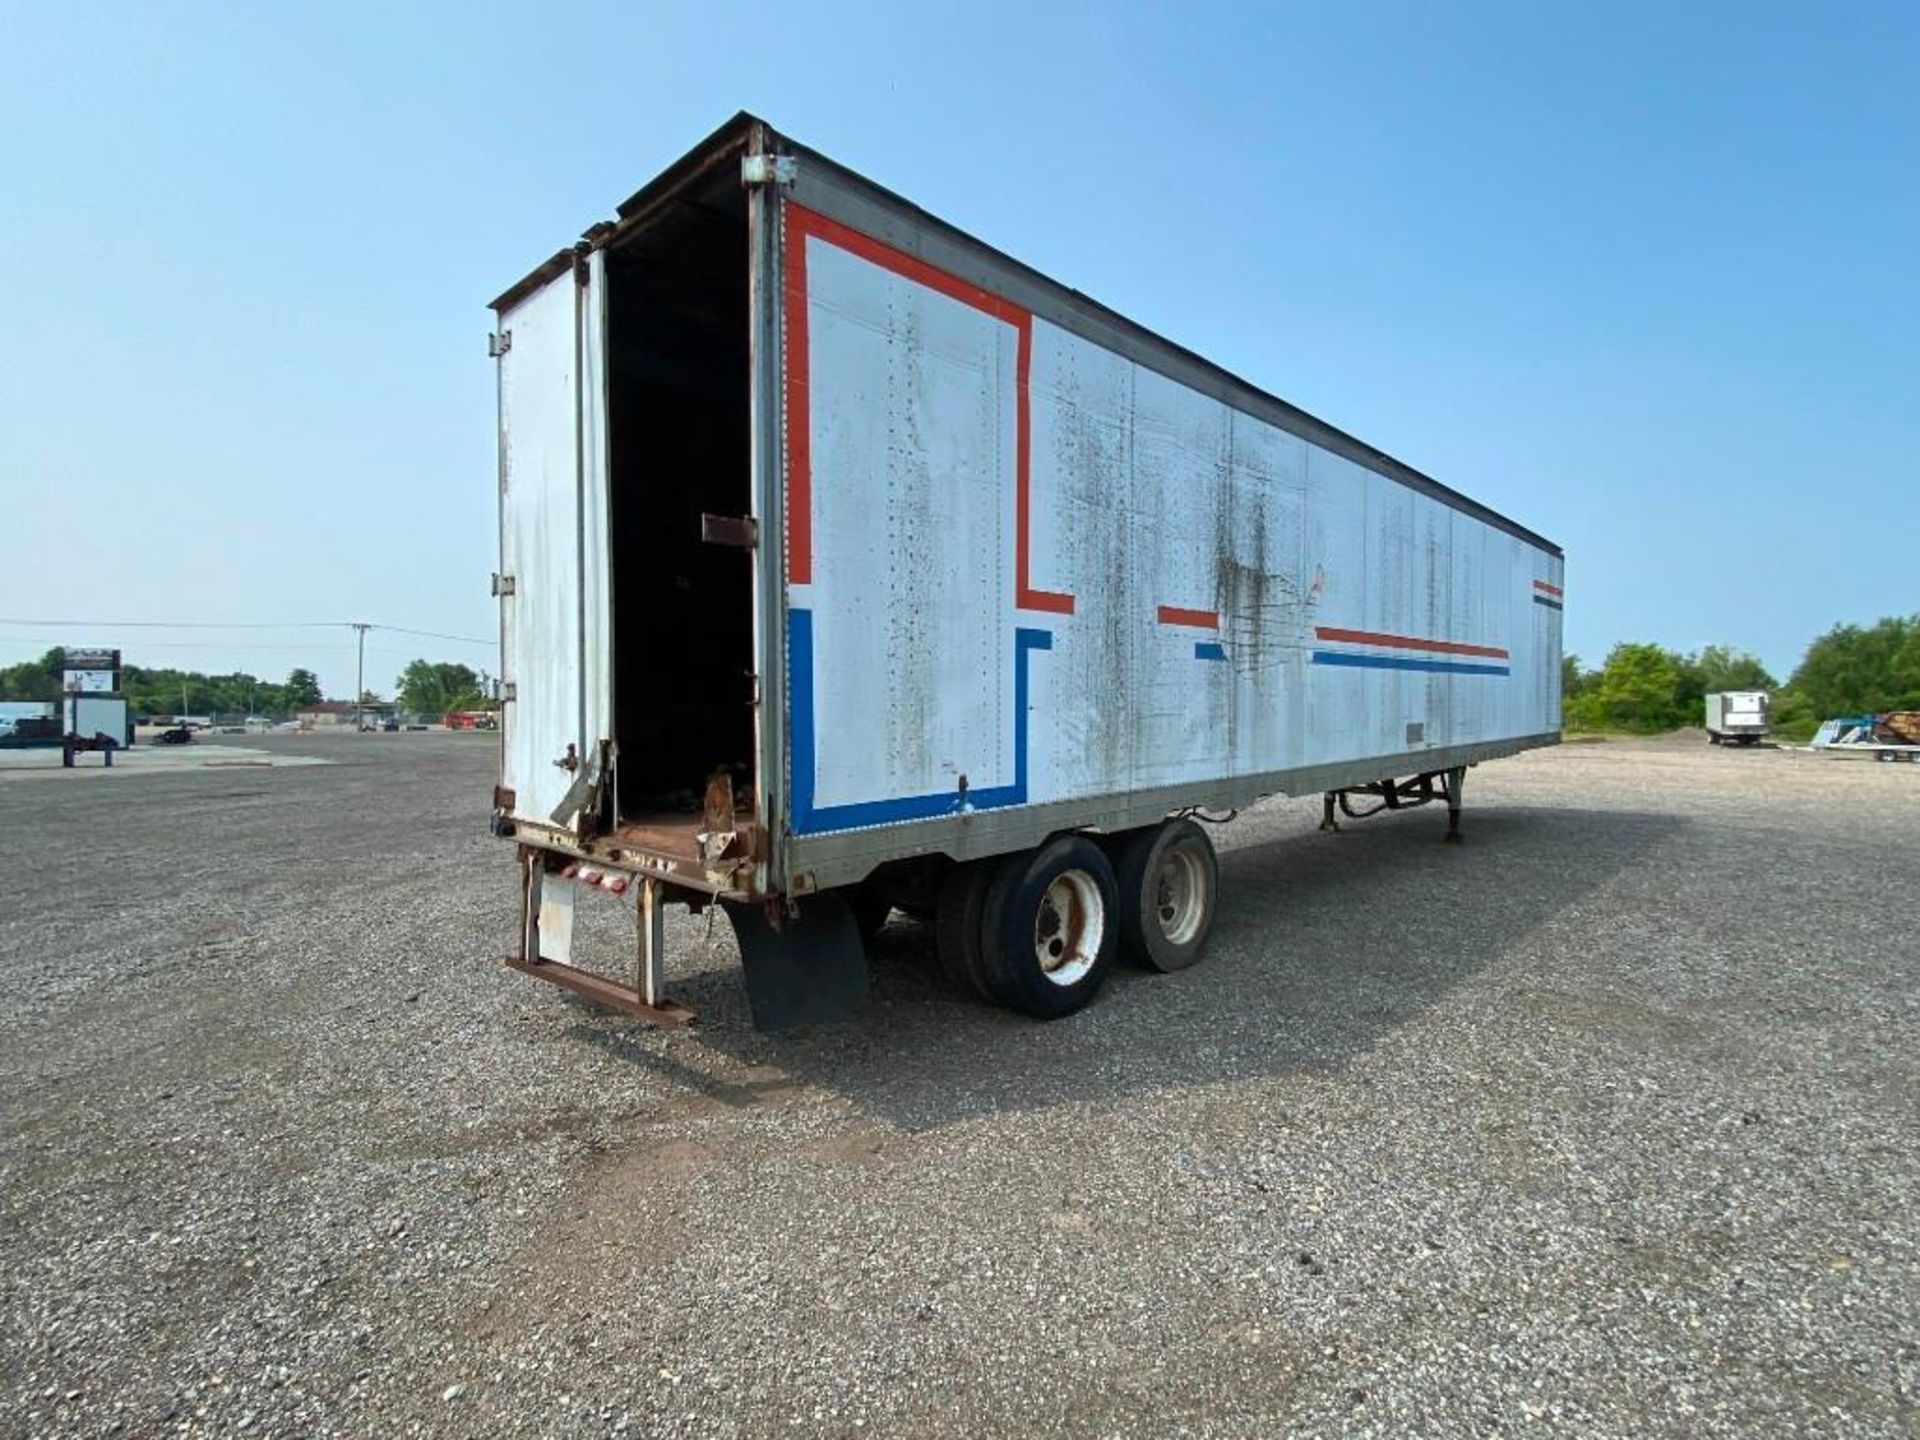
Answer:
(847, 563)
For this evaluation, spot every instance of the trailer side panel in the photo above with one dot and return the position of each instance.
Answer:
(1026, 572)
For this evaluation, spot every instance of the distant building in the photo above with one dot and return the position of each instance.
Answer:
(342, 712)
(327, 712)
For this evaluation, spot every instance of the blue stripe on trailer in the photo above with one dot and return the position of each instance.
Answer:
(1399, 662)
(1543, 600)
(807, 820)
(1209, 650)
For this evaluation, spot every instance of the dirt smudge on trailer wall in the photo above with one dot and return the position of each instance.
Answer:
(1179, 465)
(1265, 594)
(913, 404)
(911, 540)
(1084, 529)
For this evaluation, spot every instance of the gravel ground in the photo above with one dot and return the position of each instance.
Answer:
(1602, 1123)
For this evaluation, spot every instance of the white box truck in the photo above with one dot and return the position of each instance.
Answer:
(1736, 717)
(847, 563)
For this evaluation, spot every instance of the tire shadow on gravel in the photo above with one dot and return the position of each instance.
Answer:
(1322, 944)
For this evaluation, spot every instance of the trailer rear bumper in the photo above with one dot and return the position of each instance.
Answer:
(549, 885)
(680, 854)
(803, 960)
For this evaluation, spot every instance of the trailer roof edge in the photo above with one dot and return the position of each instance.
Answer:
(737, 130)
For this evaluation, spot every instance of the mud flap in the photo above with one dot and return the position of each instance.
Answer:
(810, 971)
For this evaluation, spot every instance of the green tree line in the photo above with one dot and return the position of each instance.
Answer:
(1850, 670)
(430, 688)
(164, 691)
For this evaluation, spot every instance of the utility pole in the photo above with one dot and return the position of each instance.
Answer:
(360, 679)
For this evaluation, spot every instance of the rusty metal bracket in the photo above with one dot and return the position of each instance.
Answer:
(1390, 794)
(549, 957)
(742, 531)
(602, 991)
(719, 828)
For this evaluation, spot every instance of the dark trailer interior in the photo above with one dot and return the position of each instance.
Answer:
(679, 450)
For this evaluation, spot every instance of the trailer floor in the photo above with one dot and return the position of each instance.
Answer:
(1602, 1121)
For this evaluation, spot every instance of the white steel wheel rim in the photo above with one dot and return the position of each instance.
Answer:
(1180, 895)
(1069, 927)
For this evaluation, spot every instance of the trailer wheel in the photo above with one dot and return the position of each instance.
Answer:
(1049, 933)
(956, 926)
(1169, 877)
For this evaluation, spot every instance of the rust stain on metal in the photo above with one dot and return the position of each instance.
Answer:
(719, 803)
(626, 999)
(741, 531)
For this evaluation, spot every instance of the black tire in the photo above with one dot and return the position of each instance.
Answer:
(1061, 900)
(1712, 739)
(1169, 883)
(870, 912)
(956, 926)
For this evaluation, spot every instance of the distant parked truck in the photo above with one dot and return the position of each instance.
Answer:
(848, 564)
(1737, 716)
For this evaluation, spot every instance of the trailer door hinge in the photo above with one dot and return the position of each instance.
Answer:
(499, 343)
(509, 691)
(767, 170)
(502, 584)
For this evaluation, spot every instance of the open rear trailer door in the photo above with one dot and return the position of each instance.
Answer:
(557, 743)
(557, 751)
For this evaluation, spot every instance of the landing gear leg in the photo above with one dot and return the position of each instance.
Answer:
(1455, 778)
(1327, 822)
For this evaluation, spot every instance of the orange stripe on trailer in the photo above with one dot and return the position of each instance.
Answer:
(799, 490)
(1174, 615)
(1553, 590)
(802, 222)
(1408, 642)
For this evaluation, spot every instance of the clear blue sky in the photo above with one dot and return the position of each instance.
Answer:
(1646, 278)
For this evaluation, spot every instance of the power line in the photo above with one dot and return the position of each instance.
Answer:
(182, 624)
(243, 625)
(303, 647)
(436, 635)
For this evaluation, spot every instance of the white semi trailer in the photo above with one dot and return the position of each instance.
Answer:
(1737, 717)
(847, 563)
